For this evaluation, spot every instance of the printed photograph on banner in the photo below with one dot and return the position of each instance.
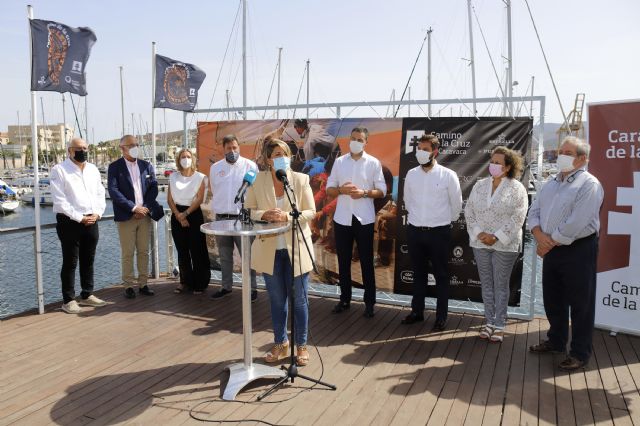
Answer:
(465, 147)
(315, 144)
(615, 160)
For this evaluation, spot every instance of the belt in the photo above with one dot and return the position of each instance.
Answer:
(430, 228)
(226, 216)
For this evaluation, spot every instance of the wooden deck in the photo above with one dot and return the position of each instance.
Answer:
(153, 360)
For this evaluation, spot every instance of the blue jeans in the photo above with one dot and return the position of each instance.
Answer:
(279, 288)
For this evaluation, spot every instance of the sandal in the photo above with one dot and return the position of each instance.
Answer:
(497, 336)
(278, 351)
(302, 357)
(486, 331)
(179, 290)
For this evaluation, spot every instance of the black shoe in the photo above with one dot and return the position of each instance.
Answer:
(254, 295)
(340, 307)
(439, 325)
(412, 318)
(146, 291)
(220, 293)
(368, 311)
(572, 364)
(129, 293)
(545, 347)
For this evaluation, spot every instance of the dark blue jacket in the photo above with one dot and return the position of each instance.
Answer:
(121, 190)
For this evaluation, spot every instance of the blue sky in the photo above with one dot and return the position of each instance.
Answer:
(359, 50)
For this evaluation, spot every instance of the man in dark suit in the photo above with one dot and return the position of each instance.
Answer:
(133, 189)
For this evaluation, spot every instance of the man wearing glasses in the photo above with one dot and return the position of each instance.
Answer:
(78, 201)
(133, 189)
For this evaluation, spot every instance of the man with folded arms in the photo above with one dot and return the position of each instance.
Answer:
(78, 201)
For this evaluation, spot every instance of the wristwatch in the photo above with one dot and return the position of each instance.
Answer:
(365, 194)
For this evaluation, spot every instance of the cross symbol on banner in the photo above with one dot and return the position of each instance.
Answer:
(412, 139)
(626, 223)
(414, 143)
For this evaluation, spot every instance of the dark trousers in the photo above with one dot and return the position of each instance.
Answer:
(432, 244)
(193, 256)
(363, 236)
(78, 242)
(569, 288)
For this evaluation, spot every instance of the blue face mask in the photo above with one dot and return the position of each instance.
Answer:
(281, 163)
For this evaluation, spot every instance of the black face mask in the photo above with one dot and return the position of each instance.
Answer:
(80, 156)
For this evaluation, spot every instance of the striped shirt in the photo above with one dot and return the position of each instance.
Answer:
(568, 209)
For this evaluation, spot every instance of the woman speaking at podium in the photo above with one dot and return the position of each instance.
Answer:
(271, 254)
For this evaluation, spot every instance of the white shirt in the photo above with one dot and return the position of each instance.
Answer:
(432, 198)
(134, 172)
(185, 188)
(282, 240)
(225, 179)
(501, 213)
(76, 191)
(314, 134)
(365, 173)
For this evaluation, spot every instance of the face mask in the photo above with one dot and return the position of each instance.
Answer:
(80, 156)
(232, 156)
(356, 147)
(565, 163)
(281, 163)
(495, 170)
(423, 157)
(185, 163)
(134, 152)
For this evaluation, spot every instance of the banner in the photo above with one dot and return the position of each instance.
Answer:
(177, 84)
(614, 136)
(315, 144)
(59, 57)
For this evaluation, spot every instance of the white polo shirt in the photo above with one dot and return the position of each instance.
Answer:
(225, 179)
(365, 173)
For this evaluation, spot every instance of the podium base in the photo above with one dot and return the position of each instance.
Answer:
(240, 376)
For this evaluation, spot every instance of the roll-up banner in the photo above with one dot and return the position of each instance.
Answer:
(614, 136)
(315, 144)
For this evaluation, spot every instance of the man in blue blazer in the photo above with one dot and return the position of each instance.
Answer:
(133, 188)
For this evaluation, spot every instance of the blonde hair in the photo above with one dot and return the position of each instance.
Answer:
(194, 160)
(273, 144)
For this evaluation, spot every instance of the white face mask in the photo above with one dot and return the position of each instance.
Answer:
(356, 147)
(565, 163)
(134, 152)
(423, 157)
(185, 162)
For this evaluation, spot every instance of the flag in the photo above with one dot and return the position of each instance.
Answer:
(59, 57)
(177, 84)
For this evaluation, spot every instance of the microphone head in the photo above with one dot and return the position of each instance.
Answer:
(281, 175)
(249, 177)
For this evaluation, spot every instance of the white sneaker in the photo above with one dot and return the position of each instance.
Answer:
(71, 307)
(91, 301)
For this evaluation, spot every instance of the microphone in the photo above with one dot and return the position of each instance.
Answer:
(247, 181)
(281, 175)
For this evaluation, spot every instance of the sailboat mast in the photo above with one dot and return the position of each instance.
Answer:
(244, 58)
(472, 61)
(509, 57)
(429, 31)
(308, 62)
(278, 97)
(122, 101)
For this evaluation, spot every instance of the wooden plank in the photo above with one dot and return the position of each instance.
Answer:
(547, 407)
(529, 411)
(628, 388)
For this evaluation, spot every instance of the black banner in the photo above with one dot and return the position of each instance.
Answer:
(177, 84)
(59, 57)
(466, 145)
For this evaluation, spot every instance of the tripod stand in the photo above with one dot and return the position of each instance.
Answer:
(244, 217)
(292, 369)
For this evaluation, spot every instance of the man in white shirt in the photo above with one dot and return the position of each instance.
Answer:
(225, 177)
(78, 201)
(356, 179)
(433, 199)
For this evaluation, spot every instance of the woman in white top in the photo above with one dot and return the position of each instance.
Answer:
(186, 193)
(495, 212)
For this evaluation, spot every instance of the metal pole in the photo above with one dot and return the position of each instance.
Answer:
(122, 101)
(505, 105)
(244, 58)
(279, 66)
(228, 112)
(533, 78)
(184, 128)
(509, 57)
(155, 267)
(36, 184)
(429, 31)
(86, 120)
(409, 98)
(64, 119)
(472, 63)
(308, 88)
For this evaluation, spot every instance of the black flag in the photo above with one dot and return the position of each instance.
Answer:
(177, 84)
(59, 57)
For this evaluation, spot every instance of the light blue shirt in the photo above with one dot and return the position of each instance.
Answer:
(568, 209)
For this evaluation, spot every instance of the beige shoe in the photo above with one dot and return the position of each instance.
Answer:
(71, 307)
(91, 301)
(278, 351)
(303, 356)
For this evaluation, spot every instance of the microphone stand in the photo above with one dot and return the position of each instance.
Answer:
(292, 370)
(244, 216)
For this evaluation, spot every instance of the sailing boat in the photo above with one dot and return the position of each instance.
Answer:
(8, 199)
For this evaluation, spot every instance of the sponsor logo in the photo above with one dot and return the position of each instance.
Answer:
(474, 282)
(502, 140)
(458, 252)
(192, 92)
(406, 276)
(455, 281)
(175, 83)
(76, 66)
(411, 140)
(404, 249)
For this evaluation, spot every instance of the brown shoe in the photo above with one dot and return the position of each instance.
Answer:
(545, 347)
(302, 357)
(572, 364)
(278, 351)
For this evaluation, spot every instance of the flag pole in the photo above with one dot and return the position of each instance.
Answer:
(156, 259)
(36, 180)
